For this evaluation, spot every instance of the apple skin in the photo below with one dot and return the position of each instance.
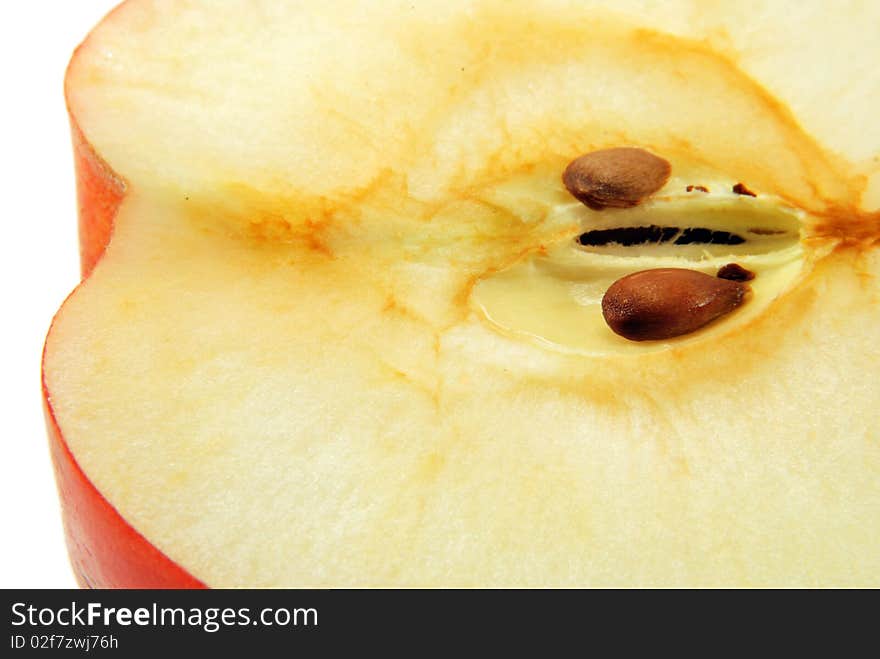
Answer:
(99, 192)
(105, 550)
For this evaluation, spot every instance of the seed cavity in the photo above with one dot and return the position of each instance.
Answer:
(735, 272)
(629, 236)
(620, 177)
(709, 237)
(664, 303)
(740, 188)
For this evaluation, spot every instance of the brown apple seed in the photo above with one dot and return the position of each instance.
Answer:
(618, 178)
(735, 272)
(740, 188)
(668, 302)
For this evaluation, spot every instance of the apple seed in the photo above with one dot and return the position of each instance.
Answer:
(735, 272)
(666, 302)
(620, 177)
(741, 189)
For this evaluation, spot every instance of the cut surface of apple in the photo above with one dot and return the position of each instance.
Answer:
(344, 333)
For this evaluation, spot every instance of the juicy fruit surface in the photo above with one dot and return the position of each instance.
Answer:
(278, 375)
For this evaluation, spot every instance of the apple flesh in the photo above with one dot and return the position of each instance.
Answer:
(276, 373)
(105, 551)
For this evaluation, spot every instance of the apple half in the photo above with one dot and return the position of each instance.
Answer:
(339, 324)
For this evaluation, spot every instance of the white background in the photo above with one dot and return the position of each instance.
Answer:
(40, 267)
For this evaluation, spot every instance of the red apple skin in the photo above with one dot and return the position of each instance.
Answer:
(105, 550)
(99, 192)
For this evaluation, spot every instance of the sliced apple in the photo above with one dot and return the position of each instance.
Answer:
(338, 329)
